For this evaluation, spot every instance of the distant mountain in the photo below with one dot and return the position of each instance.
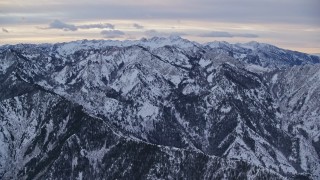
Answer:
(159, 108)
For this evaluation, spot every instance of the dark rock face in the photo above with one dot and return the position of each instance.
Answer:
(158, 109)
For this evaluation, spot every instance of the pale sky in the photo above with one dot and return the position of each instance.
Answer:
(290, 24)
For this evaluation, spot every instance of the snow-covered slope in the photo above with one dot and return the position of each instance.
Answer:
(264, 55)
(169, 100)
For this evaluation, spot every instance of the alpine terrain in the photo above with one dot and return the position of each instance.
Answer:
(158, 108)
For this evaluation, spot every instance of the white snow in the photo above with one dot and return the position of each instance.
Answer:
(242, 55)
(274, 78)
(256, 68)
(225, 109)
(210, 78)
(80, 176)
(5, 64)
(239, 150)
(61, 76)
(83, 89)
(204, 62)
(176, 79)
(250, 45)
(148, 110)
(30, 56)
(191, 88)
(217, 44)
(74, 162)
(127, 81)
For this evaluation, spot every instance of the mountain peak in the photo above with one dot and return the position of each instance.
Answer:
(175, 37)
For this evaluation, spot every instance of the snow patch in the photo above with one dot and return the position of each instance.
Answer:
(256, 68)
(274, 78)
(80, 176)
(204, 62)
(148, 110)
(225, 109)
(210, 78)
(190, 88)
(175, 79)
(61, 76)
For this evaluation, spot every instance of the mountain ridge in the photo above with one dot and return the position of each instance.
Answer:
(221, 100)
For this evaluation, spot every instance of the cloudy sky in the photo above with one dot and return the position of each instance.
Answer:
(291, 24)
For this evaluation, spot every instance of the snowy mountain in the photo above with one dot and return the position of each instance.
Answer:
(159, 108)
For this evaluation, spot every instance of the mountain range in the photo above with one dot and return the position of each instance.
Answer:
(158, 108)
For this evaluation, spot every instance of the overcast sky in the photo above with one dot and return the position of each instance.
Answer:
(291, 24)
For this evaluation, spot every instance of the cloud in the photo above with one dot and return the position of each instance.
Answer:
(5, 30)
(152, 33)
(216, 34)
(138, 26)
(227, 34)
(246, 35)
(231, 11)
(56, 24)
(112, 33)
(178, 34)
(97, 26)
